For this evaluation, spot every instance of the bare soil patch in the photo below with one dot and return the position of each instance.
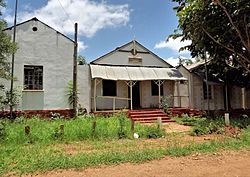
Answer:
(174, 127)
(178, 139)
(223, 164)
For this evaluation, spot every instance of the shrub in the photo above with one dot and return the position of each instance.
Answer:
(165, 103)
(154, 132)
(121, 131)
(20, 120)
(57, 133)
(190, 121)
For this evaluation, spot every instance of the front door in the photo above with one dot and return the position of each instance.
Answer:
(136, 95)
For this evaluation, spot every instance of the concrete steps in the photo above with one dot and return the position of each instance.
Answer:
(148, 116)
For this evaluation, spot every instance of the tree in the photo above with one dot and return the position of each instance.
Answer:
(81, 60)
(186, 61)
(6, 48)
(219, 29)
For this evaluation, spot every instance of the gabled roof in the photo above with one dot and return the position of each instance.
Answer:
(36, 19)
(181, 65)
(198, 70)
(125, 45)
(196, 65)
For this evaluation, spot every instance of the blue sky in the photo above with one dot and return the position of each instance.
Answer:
(105, 25)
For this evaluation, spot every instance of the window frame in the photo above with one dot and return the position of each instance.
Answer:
(155, 89)
(39, 75)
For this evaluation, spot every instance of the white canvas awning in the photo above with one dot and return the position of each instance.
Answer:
(128, 73)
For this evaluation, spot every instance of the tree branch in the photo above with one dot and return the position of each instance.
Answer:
(231, 50)
(246, 30)
(234, 26)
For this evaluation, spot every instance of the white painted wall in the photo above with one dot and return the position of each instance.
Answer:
(122, 58)
(48, 48)
(84, 86)
(183, 99)
(236, 98)
(195, 89)
(186, 89)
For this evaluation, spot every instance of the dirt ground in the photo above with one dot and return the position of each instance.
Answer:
(174, 127)
(222, 164)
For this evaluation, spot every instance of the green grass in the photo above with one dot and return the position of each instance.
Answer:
(47, 132)
(79, 147)
(40, 157)
(202, 126)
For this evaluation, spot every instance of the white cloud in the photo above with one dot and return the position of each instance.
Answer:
(174, 45)
(27, 7)
(174, 61)
(91, 16)
(81, 46)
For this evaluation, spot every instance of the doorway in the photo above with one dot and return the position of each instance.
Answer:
(136, 100)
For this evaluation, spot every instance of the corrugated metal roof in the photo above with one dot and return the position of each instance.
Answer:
(134, 73)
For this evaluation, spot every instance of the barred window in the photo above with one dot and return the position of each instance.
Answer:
(33, 77)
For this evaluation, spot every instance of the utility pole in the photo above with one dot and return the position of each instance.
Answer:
(12, 64)
(75, 74)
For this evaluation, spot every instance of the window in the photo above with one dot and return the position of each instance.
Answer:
(34, 28)
(135, 60)
(33, 77)
(183, 82)
(205, 91)
(109, 88)
(155, 89)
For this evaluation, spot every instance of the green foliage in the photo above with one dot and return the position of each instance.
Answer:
(81, 60)
(221, 30)
(190, 121)
(69, 92)
(5, 97)
(121, 130)
(154, 132)
(6, 48)
(149, 131)
(202, 126)
(164, 103)
(57, 134)
(208, 127)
